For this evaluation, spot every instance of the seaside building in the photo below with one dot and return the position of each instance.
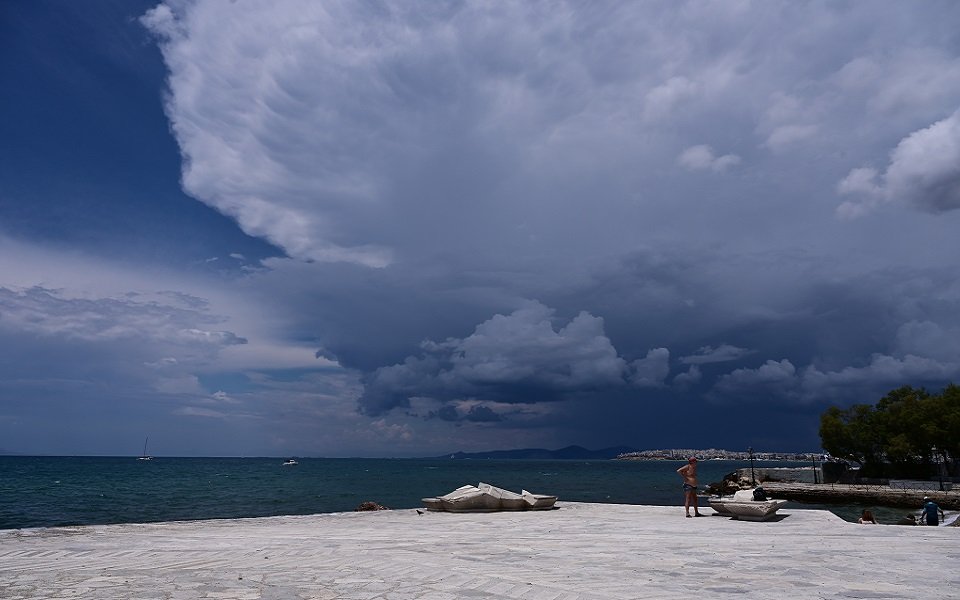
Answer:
(719, 454)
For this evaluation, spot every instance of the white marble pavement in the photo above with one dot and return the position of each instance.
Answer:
(580, 551)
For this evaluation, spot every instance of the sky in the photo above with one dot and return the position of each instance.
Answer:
(399, 229)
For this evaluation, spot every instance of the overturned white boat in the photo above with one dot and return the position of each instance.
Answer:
(742, 506)
(488, 498)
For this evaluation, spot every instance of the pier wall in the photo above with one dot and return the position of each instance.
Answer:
(840, 493)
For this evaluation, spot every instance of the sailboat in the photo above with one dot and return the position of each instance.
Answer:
(145, 456)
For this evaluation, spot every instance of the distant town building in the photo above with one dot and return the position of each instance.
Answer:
(713, 453)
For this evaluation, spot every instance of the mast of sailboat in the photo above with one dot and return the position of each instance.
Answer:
(144, 455)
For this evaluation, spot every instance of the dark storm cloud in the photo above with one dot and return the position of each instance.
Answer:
(552, 222)
(482, 414)
(477, 413)
(709, 354)
(791, 330)
(478, 131)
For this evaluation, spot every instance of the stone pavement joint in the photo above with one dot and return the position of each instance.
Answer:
(579, 552)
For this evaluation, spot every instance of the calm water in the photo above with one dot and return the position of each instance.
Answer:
(52, 491)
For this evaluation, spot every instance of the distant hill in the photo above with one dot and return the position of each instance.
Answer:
(568, 453)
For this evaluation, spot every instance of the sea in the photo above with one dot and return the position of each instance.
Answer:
(47, 491)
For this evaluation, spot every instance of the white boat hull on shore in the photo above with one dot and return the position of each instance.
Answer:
(742, 506)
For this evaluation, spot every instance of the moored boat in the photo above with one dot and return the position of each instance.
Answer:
(744, 507)
(145, 456)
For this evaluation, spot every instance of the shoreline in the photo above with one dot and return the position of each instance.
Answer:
(53, 492)
(581, 551)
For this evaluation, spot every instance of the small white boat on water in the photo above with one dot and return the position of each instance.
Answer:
(290, 462)
(488, 498)
(145, 456)
(742, 506)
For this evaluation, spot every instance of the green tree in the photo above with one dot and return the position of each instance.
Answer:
(945, 412)
(902, 430)
(907, 433)
(846, 433)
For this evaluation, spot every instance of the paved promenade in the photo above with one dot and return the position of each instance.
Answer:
(578, 552)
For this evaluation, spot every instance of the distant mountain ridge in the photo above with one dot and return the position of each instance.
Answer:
(568, 453)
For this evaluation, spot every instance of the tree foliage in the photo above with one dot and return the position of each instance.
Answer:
(907, 433)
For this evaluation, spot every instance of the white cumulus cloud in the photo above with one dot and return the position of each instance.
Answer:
(924, 172)
(785, 136)
(772, 377)
(709, 354)
(652, 370)
(515, 358)
(701, 157)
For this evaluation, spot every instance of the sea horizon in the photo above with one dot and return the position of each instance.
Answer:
(503, 454)
(46, 491)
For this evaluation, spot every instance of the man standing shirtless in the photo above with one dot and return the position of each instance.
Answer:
(689, 474)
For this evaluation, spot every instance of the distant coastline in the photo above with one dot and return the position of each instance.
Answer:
(717, 454)
(627, 453)
(567, 453)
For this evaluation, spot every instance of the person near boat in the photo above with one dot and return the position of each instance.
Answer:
(689, 474)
